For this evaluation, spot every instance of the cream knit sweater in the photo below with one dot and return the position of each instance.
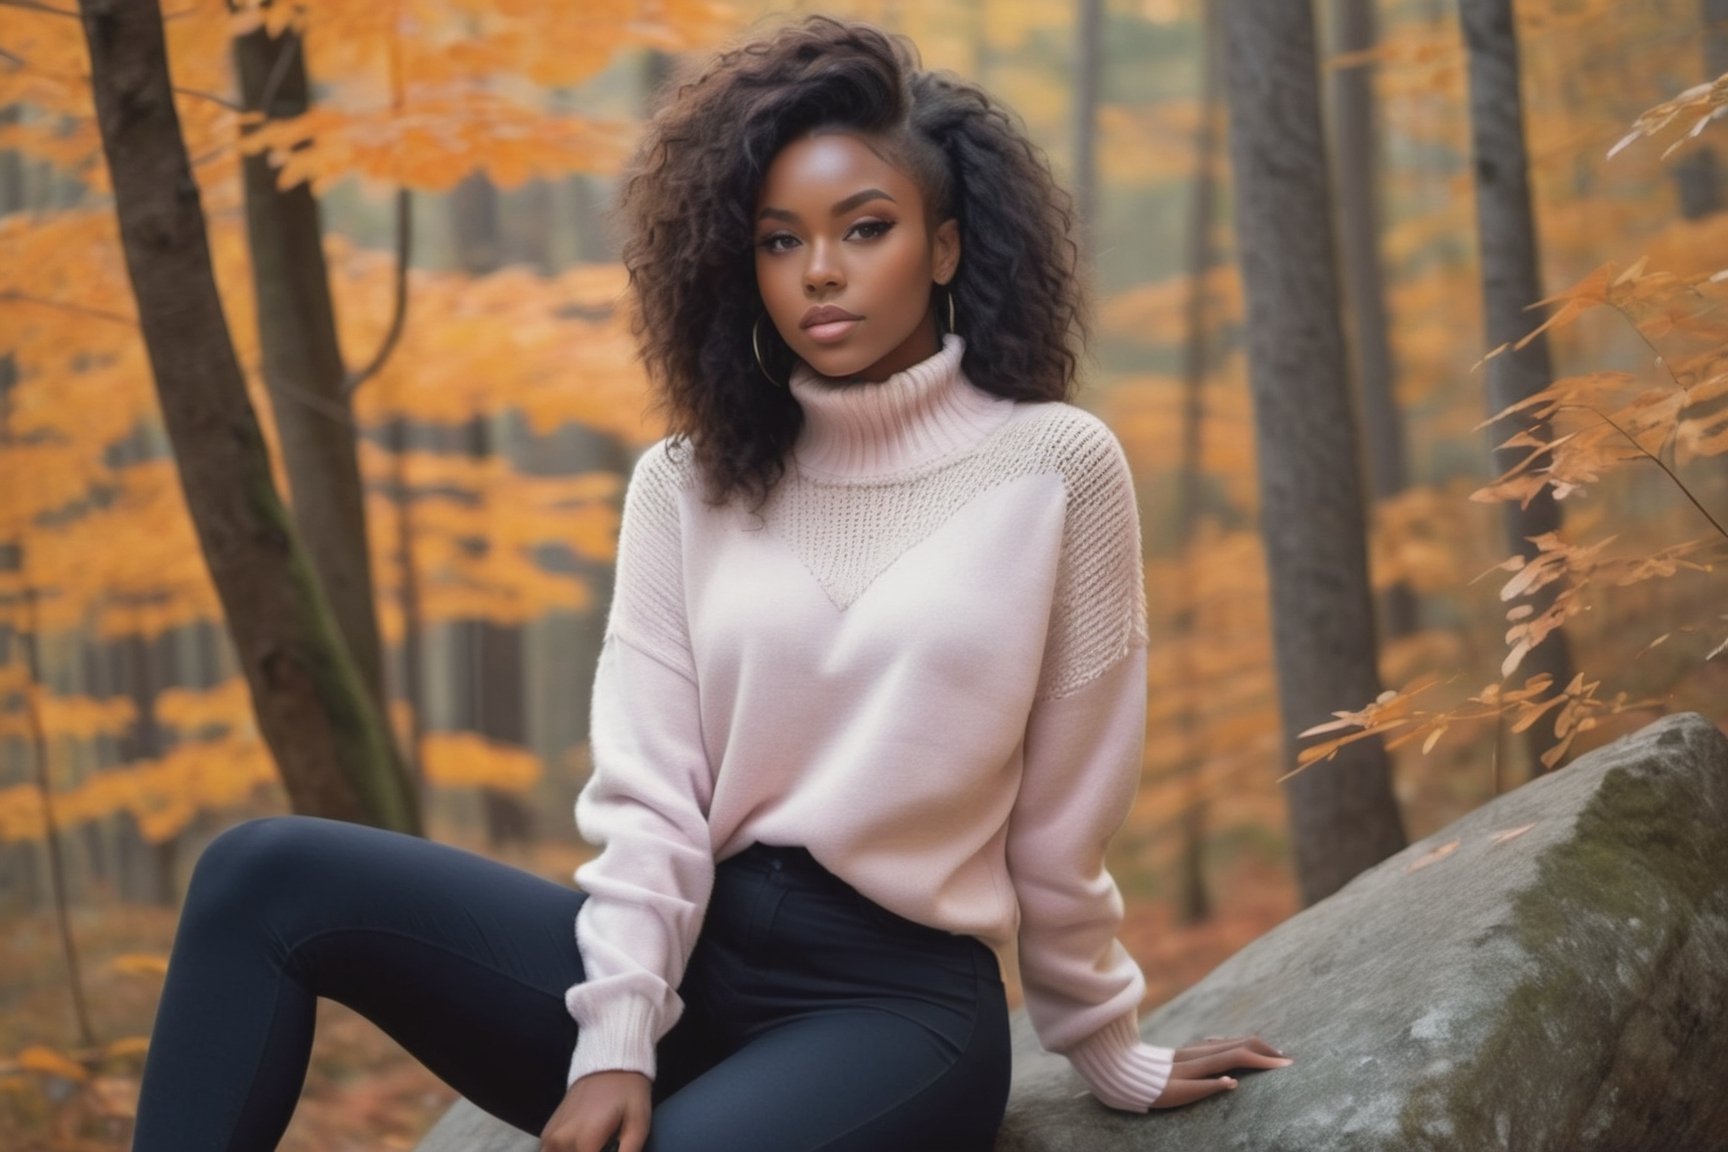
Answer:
(924, 661)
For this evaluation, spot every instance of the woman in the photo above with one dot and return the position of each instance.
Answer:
(869, 707)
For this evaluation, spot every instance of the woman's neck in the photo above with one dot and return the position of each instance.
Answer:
(858, 429)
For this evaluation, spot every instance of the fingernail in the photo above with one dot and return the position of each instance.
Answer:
(1229, 1083)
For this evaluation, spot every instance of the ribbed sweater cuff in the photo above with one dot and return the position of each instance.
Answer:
(1121, 1070)
(619, 1037)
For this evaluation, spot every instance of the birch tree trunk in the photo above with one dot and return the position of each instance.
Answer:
(1342, 812)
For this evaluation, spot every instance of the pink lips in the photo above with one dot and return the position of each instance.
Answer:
(826, 323)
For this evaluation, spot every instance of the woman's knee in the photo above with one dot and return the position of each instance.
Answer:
(240, 866)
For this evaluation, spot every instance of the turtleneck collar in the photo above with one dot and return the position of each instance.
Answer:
(856, 429)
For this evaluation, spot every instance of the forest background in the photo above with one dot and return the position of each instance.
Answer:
(486, 389)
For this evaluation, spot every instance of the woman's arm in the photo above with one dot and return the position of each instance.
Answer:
(646, 804)
(1083, 989)
(1082, 758)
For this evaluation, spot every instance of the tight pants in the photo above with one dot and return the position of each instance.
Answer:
(815, 1018)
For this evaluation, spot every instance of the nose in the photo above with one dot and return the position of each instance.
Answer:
(822, 270)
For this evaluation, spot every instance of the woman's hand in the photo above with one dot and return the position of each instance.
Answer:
(597, 1107)
(1198, 1069)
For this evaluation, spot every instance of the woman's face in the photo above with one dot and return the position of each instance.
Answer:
(845, 258)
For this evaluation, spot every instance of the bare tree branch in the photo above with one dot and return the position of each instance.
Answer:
(26, 298)
(35, 6)
(398, 319)
(210, 96)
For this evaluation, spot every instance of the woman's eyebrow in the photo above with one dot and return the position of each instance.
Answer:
(858, 198)
(839, 209)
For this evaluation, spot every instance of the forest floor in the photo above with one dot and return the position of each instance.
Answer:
(362, 1091)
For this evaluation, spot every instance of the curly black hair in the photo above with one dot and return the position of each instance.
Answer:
(690, 192)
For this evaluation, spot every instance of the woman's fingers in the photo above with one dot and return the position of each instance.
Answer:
(1223, 1044)
(1215, 1063)
(1179, 1092)
(634, 1134)
(1198, 1069)
(606, 1111)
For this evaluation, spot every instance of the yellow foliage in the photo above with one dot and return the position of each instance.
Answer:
(1703, 101)
(47, 1061)
(226, 705)
(1143, 146)
(1212, 721)
(1415, 58)
(126, 1046)
(435, 144)
(1156, 313)
(1415, 541)
(1147, 412)
(161, 794)
(468, 760)
(511, 339)
(82, 717)
(139, 964)
(1009, 26)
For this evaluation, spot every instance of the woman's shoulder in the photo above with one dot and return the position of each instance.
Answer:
(666, 465)
(1058, 436)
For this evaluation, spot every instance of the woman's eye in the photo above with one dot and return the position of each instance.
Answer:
(871, 229)
(778, 242)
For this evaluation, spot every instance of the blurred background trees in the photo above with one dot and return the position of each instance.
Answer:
(405, 207)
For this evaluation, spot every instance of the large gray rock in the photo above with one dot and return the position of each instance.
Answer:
(467, 1129)
(1549, 972)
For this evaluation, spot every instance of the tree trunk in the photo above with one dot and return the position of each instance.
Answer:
(12, 182)
(1698, 174)
(525, 227)
(497, 699)
(1088, 79)
(592, 243)
(29, 639)
(1506, 246)
(1354, 133)
(20, 870)
(1194, 903)
(312, 708)
(495, 705)
(302, 360)
(413, 685)
(474, 224)
(1343, 815)
(150, 672)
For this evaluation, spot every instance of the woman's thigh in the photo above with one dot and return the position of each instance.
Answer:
(462, 959)
(846, 1028)
(858, 1080)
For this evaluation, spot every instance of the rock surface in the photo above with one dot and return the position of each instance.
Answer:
(1548, 973)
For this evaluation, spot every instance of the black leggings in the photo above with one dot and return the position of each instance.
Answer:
(815, 1018)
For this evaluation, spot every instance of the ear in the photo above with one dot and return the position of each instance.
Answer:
(945, 251)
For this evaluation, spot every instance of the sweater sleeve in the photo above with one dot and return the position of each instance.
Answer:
(645, 805)
(1083, 749)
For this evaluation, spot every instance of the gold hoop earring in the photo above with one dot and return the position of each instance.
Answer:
(950, 306)
(756, 347)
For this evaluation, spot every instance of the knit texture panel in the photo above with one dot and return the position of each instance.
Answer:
(847, 533)
(648, 585)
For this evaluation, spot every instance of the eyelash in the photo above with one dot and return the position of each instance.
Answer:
(767, 243)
